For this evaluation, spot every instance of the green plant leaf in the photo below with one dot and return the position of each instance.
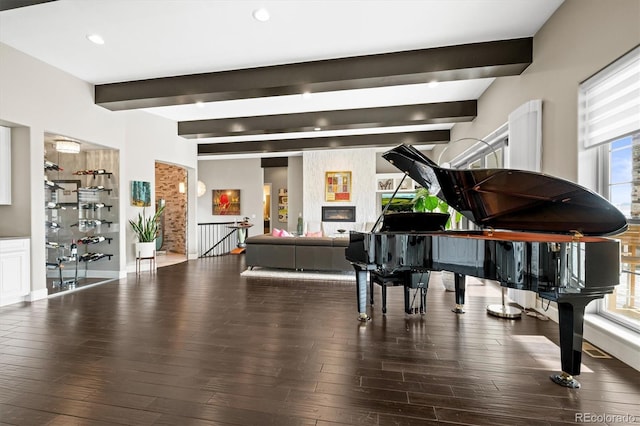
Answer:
(146, 228)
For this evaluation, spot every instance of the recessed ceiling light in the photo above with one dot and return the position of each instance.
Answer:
(200, 104)
(306, 95)
(317, 129)
(95, 38)
(433, 84)
(261, 14)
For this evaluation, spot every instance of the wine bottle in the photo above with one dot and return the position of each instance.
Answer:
(92, 206)
(52, 185)
(74, 249)
(90, 172)
(97, 256)
(49, 165)
(90, 257)
(54, 206)
(85, 257)
(91, 240)
(91, 188)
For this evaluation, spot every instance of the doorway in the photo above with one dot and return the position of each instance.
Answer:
(266, 207)
(170, 190)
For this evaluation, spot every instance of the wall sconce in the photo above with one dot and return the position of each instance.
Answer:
(67, 146)
(201, 188)
(181, 187)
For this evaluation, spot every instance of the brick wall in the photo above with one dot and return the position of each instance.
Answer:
(168, 178)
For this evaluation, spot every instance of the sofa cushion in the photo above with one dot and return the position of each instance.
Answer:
(314, 241)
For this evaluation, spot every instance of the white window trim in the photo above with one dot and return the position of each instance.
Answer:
(614, 338)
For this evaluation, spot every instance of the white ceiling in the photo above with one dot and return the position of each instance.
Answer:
(159, 38)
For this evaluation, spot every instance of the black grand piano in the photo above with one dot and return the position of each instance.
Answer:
(536, 232)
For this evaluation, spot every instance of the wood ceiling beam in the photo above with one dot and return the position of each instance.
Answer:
(403, 115)
(330, 142)
(468, 61)
(15, 4)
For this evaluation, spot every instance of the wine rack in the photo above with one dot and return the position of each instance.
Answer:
(94, 173)
(92, 209)
(59, 255)
(78, 213)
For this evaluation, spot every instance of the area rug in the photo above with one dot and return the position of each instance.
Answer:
(299, 275)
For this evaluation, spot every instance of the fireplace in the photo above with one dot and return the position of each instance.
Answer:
(338, 213)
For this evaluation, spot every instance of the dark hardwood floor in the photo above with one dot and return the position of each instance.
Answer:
(197, 344)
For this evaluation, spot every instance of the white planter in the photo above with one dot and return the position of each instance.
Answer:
(145, 250)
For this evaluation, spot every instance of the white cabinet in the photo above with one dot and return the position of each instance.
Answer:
(5, 165)
(14, 270)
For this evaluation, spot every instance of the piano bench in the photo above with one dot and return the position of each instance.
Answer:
(408, 281)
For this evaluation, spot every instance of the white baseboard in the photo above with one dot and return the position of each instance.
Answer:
(37, 295)
(84, 274)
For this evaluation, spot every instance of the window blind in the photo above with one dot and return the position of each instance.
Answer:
(610, 101)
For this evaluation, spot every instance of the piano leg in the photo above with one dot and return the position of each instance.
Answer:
(571, 324)
(407, 300)
(371, 291)
(361, 293)
(459, 287)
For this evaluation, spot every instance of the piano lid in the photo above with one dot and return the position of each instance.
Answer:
(514, 200)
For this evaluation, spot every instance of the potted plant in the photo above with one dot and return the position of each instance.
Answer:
(426, 202)
(146, 229)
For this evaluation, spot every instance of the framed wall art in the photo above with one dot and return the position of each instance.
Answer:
(140, 193)
(385, 184)
(226, 201)
(283, 205)
(337, 186)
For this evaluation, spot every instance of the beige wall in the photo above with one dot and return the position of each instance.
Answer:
(15, 217)
(582, 37)
(295, 184)
(243, 174)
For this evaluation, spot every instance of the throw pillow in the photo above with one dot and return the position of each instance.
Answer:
(314, 234)
(276, 232)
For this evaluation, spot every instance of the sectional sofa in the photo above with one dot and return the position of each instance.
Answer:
(299, 253)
